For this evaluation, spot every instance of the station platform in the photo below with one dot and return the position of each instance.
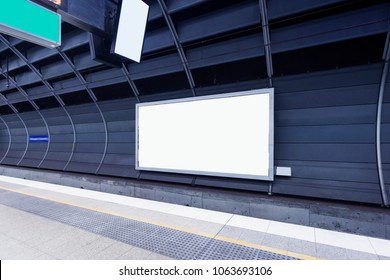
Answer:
(42, 221)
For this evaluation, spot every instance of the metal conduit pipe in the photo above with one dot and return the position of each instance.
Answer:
(386, 57)
(136, 94)
(131, 82)
(267, 40)
(268, 55)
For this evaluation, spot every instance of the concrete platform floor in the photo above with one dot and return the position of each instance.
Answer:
(27, 235)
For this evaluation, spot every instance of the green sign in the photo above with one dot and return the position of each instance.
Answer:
(30, 22)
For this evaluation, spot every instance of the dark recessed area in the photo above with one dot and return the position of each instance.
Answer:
(238, 71)
(115, 91)
(17, 71)
(33, 85)
(24, 107)
(48, 60)
(165, 83)
(331, 9)
(61, 78)
(202, 8)
(330, 56)
(47, 102)
(10, 90)
(5, 110)
(76, 98)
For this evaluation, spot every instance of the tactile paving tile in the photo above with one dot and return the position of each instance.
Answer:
(165, 241)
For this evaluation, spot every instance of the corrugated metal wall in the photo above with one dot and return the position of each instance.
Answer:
(324, 130)
(327, 67)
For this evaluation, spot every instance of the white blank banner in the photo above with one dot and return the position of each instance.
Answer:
(229, 135)
(131, 29)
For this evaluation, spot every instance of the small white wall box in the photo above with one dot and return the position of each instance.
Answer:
(283, 171)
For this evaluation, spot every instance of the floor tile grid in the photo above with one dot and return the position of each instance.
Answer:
(128, 231)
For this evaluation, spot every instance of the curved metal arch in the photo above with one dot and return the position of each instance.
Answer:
(24, 124)
(385, 70)
(27, 139)
(51, 89)
(25, 95)
(106, 139)
(94, 99)
(9, 140)
(74, 139)
(23, 92)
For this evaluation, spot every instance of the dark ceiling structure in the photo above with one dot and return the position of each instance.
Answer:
(324, 58)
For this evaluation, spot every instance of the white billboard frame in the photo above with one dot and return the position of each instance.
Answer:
(269, 135)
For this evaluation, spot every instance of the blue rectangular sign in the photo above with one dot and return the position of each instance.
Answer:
(39, 138)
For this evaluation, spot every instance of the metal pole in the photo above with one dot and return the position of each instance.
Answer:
(131, 82)
(267, 40)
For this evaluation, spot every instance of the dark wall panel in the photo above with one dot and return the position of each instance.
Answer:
(335, 134)
(339, 190)
(340, 171)
(325, 133)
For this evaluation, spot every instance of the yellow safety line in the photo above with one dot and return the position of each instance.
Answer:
(179, 228)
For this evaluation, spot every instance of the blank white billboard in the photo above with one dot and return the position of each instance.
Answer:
(131, 29)
(228, 135)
